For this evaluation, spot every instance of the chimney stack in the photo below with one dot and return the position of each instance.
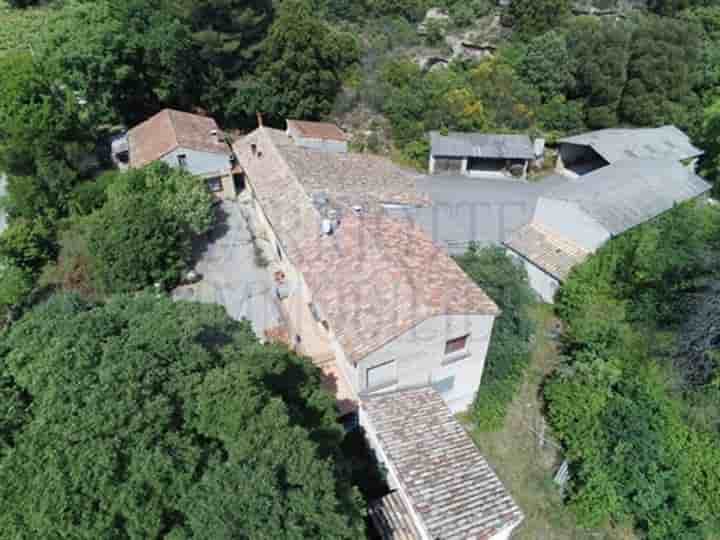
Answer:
(259, 119)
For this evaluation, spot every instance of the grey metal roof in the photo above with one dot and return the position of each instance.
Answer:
(666, 142)
(483, 145)
(447, 481)
(628, 193)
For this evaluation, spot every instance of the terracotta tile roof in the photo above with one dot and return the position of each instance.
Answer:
(392, 518)
(170, 129)
(547, 250)
(447, 481)
(318, 130)
(375, 277)
(350, 178)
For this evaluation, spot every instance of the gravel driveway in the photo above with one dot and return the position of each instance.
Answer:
(230, 276)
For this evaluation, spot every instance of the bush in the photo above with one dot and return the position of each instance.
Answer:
(28, 245)
(506, 283)
(134, 246)
(16, 285)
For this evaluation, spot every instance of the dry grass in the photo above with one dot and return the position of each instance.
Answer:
(527, 467)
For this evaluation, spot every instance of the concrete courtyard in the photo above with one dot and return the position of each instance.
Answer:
(230, 274)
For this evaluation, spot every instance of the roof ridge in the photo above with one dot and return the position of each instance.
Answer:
(172, 127)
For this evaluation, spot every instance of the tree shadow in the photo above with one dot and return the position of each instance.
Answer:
(201, 243)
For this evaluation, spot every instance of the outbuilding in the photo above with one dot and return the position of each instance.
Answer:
(480, 154)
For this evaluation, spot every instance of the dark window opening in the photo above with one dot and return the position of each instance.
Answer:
(456, 345)
(182, 161)
(214, 184)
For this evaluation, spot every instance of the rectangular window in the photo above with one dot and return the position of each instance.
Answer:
(457, 345)
(382, 376)
(443, 386)
(182, 161)
(314, 311)
(214, 184)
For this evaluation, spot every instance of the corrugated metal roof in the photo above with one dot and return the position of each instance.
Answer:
(482, 145)
(628, 193)
(666, 142)
(448, 482)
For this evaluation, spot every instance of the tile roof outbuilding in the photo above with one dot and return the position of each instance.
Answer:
(448, 482)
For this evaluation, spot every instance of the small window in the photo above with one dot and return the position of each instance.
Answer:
(214, 184)
(443, 386)
(182, 161)
(253, 148)
(382, 376)
(456, 345)
(314, 311)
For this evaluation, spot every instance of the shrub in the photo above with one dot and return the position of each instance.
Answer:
(506, 283)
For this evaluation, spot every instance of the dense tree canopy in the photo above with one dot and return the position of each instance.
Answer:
(123, 59)
(142, 234)
(538, 16)
(301, 64)
(635, 452)
(145, 418)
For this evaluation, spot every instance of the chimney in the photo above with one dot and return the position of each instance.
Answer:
(259, 119)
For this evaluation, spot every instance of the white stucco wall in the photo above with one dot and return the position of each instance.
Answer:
(420, 357)
(567, 220)
(200, 163)
(541, 282)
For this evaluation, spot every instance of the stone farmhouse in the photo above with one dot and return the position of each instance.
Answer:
(398, 329)
(180, 139)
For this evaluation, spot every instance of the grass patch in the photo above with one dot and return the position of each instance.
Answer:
(526, 467)
(18, 27)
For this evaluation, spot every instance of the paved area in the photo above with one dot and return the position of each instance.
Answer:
(482, 210)
(231, 276)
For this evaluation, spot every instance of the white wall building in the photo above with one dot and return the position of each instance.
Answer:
(188, 141)
(573, 220)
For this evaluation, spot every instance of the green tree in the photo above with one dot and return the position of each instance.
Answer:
(302, 62)
(124, 60)
(506, 282)
(148, 418)
(512, 103)
(538, 16)
(599, 52)
(16, 284)
(133, 245)
(547, 65)
(227, 33)
(662, 71)
(180, 196)
(710, 142)
(28, 244)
